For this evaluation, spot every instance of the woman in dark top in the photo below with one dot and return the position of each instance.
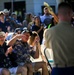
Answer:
(38, 27)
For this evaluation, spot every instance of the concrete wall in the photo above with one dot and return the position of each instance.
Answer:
(33, 6)
(30, 6)
(57, 2)
(3, 1)
(2, 4)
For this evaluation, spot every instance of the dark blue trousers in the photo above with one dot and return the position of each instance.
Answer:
(63, 71)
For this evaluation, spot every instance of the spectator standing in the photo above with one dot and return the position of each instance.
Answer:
(47, 18)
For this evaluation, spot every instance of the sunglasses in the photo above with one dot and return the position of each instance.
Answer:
(25, 30)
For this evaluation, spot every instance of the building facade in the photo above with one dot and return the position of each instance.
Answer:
(33, 6)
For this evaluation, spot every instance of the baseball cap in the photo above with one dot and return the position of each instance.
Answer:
(17, 30)
(26, 30)
(2, 33)
(13, 13)
(5, 11)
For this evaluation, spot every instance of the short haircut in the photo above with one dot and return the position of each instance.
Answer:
(64, 7)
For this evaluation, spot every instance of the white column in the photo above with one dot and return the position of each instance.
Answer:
(57, 2)
(12, 5)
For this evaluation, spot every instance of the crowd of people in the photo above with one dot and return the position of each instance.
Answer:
(21, 40)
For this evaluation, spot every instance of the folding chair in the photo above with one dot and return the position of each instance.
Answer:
(48, 57)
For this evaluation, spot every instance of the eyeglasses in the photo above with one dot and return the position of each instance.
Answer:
(25, 30)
